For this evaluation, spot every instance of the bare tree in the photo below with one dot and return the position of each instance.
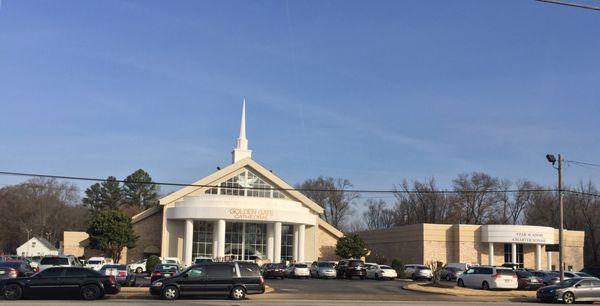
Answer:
(475, 199)
(378, 215)
(421, 203)
(333, 196)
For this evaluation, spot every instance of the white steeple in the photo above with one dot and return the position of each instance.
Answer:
(241, 145)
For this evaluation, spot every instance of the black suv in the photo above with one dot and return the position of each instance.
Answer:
(348, 268)
(60, 282)
(235, 279)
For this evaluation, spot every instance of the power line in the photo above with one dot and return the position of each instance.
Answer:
(578, 5)
(579, 163)
(373, 191)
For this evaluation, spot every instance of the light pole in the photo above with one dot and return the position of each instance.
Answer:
(28, 230)
(553, 160)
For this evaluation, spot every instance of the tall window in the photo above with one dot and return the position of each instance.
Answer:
(234, 235)
(287, 242)
(247, 184)
(255, 241)
(203, 239)
(508, 254)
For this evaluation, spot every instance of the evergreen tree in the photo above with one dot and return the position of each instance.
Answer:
(350, 246)
(138, 193)
(105, 195)
(110, 231)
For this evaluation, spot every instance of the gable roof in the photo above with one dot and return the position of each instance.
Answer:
(42, 241)
(259, 169)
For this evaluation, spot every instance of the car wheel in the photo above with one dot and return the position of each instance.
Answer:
(90, 292)
(461, 283)
(170, 293)
(139, 270)
(13, 292)
(568, 298)
(377, 276)
(317, 276)
(414, 277)
(485, 286)
(238, 293)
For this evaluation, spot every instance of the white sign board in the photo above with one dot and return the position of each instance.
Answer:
(521, 234)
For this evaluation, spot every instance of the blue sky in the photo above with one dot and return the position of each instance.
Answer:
(375, 92)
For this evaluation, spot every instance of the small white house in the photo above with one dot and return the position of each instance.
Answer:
(37, 247)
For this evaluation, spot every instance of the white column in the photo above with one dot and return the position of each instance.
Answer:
(215, 253)
(538, 256)
(221, 237)
(270, 240)
(549, 256)
(301, 235)
(243, 241)
(491, 253)
(188, 242)
(277, 242)
(295, 246)
(514, 253)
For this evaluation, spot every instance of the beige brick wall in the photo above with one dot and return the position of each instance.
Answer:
(325, 244)
(404, 243)
(149, 231)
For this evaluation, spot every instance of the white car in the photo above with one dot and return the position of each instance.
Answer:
(488, 277)
(138, 267)
(171, 260)
(202, 259)
(381, 272)
(416, 271)
(96, 263)
(298, 270)
(57, 261)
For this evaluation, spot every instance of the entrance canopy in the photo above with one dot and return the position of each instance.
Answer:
(521, 234)
(235, 208)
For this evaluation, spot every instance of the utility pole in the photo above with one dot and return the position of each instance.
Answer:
(561, 228)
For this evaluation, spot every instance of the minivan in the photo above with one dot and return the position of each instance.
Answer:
(234, 279)
(488, 277)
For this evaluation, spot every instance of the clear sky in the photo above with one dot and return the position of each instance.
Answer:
(372, 91)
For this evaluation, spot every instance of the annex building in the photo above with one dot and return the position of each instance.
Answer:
(240, 212)
(476, 244)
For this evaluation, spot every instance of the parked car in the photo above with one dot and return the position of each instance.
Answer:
(488, 277)
(459, 265)
(138, 266)
(200, 260)
(164, 270)
(297, 270)
(323, 269)
(528, 281)
(381, 272)
(350, 268)
(577, 289)
(96, 263)
(60, 282)
(451, 273)
(235, 279)
(554, 278)
(593, 271)
(57, 261)
(171, 260)
(418, 271)
(273, 270)
(119, 272)
(14, 269)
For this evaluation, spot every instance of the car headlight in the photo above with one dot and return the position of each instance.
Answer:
(157, 284)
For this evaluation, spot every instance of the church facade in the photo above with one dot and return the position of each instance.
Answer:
(240, 212)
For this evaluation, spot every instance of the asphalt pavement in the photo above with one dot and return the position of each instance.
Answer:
(284, 302)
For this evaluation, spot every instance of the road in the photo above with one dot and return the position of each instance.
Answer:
(286, 302)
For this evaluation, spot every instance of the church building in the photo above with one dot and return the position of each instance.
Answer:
(240, 212)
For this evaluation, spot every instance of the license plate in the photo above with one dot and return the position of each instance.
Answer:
(2, 272)
(534, 281)
(167, 274)
(507, 281)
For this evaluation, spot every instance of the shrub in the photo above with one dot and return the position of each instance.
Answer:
(398, 265)
(151, 262)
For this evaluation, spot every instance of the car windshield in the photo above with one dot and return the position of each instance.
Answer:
(55, 261)
(356, 263)
(582, 274)
(326, 265)
(120, 267)
(524, 274)
(505, 272)
(385, 267)
(166, 267)
(170, 261)
(94, 262)
(300, 266)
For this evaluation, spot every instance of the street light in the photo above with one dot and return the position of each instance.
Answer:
(553, 160)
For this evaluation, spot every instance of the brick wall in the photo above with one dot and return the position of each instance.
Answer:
(149, 231)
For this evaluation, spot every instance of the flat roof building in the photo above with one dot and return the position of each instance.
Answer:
(240, 212)
(491, 244)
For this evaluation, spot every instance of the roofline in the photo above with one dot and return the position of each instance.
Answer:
(145, 214)
(324, 224)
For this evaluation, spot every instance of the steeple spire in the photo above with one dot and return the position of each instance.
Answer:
(241, 146)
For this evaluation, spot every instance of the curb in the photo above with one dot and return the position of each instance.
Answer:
(415, 288)
(144, 293)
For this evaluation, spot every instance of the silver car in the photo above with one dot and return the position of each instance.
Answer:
(578, 289)
(553, 277)
(323, 269)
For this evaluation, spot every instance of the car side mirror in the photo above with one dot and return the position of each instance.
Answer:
(186, 275)
(578, 285)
